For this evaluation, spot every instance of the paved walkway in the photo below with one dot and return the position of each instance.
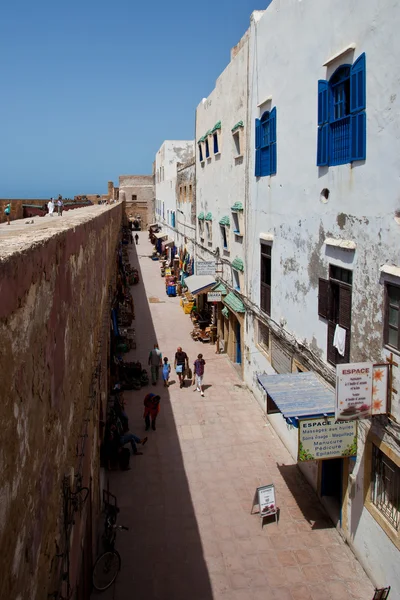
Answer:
(187, 500)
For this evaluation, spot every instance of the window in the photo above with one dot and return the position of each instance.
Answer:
(167, 216)
(265, 283)
(334, 305)
(385, 486)
(184, 193)
(236, 226)
(134, 198)
(201, 153)
(190, 193)
(173, 218)
(236, 279)
(266, 144)
(224, 234)
(236, 140)
(263, 336)
(342, 123)
(207, 149)
(209, 230)
(215, 141)
(392, 316)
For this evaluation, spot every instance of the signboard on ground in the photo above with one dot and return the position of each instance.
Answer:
(214, 297)
(265, 498)
(325, 438)
(205, 267)
(353, 391)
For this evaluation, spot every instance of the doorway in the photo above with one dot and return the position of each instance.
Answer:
(332, 488)
(238, 357)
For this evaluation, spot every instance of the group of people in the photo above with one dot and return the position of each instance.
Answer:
(51, 205)
(181, 366)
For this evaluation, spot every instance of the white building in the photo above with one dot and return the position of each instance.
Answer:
(185, 220)
(168, 156)
(322, 242)
(221, 121)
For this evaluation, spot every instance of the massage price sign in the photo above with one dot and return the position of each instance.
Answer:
(323, 438)
(353, 391)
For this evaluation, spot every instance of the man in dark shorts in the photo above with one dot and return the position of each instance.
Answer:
(181, 365)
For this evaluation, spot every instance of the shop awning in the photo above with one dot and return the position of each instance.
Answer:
(300, 395)
(198, 284)
(160, 236)
(225, 312)
(168, 242)
(153, 225)
(234, 303)
(220, 288)
(237, 264)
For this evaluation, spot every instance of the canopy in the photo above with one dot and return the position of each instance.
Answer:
(300, 395)
(168, 242)
(198, 284)
(153, 224)
(234, 303)
(160, 235)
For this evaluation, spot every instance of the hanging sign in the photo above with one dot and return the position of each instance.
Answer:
(214, 297)
(353, 391)
(264, 497)
(325, 438)
(205, 267)
(380, 382)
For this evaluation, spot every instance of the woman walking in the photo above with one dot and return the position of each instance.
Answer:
(151, 410)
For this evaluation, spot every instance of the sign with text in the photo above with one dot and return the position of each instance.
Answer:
(353, 391)
(265, 498)
(214, 297)
(205, 267)
(326, 438)
(380, 382)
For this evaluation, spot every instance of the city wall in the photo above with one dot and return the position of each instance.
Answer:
(54, 328)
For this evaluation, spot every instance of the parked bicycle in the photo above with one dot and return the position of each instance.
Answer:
(108, 564)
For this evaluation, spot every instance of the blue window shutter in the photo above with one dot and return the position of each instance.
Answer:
(359, 136)
(322, 102)
(323, 145)
(200, 153)
(358, 85)
(265, 161)
(272, 138)
(258, 149)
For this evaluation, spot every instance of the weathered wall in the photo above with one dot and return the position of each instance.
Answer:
(53, 320)
(186, 205)
(141, 186)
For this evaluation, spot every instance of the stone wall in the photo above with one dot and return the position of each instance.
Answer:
(54, 329)
(138, 192)
(17, 207)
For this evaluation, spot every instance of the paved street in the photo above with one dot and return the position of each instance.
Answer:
(187, 500)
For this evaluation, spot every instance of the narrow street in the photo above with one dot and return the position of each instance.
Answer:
(187, 500)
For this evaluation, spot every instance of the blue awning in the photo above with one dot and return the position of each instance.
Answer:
(299, 395)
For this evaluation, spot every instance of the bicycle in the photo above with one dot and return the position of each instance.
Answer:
(108, 564)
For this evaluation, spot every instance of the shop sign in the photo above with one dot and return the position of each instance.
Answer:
(264, 497)
(380, 383)
(214, 297)
(353, 391)
(326, 438)
(205, 267)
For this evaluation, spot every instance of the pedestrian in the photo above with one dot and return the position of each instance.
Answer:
(127, 438)
(7, 212)
(151, 410)
(60, 206)
(198, 373)
(166, 371)
(137, 239)
(181, 365)
(155, 362)
(50, 206)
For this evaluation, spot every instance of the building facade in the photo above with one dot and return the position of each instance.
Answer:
(221, 125)
(185, 197)
(138, 193)
(171, 153)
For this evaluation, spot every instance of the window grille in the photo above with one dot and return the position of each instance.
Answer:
(386, 486)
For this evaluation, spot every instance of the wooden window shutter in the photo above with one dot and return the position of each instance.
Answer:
(345, 307)
(323, 298)
(331, 352)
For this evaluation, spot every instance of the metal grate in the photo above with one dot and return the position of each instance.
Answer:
(340, 141)
(386, 487)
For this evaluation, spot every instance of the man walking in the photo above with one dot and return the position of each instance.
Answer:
(7, 211)
(50, 206)
(155, 362)
(181, 365)
(60, 206)
(198, 373)
(137, 239)
(151, 410)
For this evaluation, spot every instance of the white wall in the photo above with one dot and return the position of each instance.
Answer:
(288, 47)
(220, 180)
(167, 157)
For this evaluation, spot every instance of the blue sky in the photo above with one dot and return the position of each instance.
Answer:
(90, 89)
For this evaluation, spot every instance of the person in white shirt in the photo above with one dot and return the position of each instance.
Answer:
(50, 206)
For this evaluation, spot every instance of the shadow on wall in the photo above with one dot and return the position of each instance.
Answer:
(162, 554)
(307, 500)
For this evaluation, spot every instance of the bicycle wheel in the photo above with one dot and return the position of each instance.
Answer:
(106, 569)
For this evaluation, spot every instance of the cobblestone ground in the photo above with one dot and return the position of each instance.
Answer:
(187, 500)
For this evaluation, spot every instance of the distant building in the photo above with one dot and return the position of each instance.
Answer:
(138, 193)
